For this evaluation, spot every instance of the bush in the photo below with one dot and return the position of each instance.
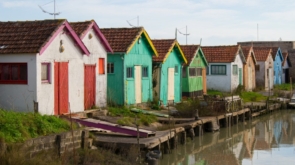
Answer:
(18, 127)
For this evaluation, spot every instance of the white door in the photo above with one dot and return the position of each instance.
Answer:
(170, 84)
(137, 83)
(269, 79)
(250, 78)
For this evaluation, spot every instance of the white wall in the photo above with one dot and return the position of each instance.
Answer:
(219, 82)
(19, 97)
(94, 45)
(235, 78)
(72, 54)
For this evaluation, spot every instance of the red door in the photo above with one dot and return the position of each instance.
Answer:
(61, 88)
(89, 86)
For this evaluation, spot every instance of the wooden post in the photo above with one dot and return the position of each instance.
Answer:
(137, 129)
(291, 86)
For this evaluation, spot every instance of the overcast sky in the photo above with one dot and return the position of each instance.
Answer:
(217, 22)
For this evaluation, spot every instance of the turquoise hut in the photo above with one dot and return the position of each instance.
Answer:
(167, 69)
(129, 68)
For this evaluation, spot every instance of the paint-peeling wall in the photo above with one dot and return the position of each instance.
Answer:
(19, 97)
(71, 54)
(262, 80)
(220, 82)
(95, 46)
(249, 74)
(235, 79)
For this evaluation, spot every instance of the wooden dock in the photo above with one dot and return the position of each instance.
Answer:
(168, 139)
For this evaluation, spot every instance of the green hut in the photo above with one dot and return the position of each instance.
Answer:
(167, 71)
(194, 72)
(129, 68)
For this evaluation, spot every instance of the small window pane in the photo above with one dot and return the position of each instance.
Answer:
(199, 71)
(144, 71)
(129, 72)
(207, 70)
(110, 68)
(176, 69)
(192, 72)
(45, 72)
(218, 70)
(23, 72)
(5, 75)
(14, 72)
(235, 69)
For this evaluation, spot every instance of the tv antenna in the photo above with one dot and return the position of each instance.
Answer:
(54, 13)
(133, 19)
(185, 34)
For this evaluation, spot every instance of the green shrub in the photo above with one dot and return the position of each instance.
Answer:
(252, 96)
(17, 126)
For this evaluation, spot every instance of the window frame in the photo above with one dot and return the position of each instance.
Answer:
(129, 72)
(143, 73)
(212, 71)
(235, 69)
(48, 80)
(176, 69)
(10, 81)
(191, 69)
(199, 72)
(101, 72)
(110, 68)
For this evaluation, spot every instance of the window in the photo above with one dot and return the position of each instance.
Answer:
(13, 73)
(176, 69)
(129, 73)
(207, 70)
(145, 71)
(218, 69)
(101, 66)
(199, 71)
(184, 72)
(110, 68)
(192, 72)
(235, 69)
(45, 72)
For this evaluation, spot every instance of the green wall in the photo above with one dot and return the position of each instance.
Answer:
(191, 84)
(140, 54)
(174, 59)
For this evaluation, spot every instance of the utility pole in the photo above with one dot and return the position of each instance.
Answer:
(185, 34)
(54, 13)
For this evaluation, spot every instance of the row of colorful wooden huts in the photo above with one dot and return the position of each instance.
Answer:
(57, 67)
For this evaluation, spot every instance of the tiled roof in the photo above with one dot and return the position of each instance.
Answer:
(26, 36)
(222, 54)
(121, 39)
(164, 47)
(80, 27)
(261, 53)
(247, 52)
(189, 51)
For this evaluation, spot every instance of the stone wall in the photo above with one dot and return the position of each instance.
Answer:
(62, 143)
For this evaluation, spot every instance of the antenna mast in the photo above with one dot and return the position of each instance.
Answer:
(185, 34)
(54, 13)
(133, 19)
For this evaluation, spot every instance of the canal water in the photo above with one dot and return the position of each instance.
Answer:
(265, 140)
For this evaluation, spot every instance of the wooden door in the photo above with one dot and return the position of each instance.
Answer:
(137, 83)
(204, 81)
(270, 78)
(250, 78)
(240, 76)
(170, 92)
(61, 88)
(89, 86)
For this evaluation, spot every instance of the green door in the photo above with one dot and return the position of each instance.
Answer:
(240, 76)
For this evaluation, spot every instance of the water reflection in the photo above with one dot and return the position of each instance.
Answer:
(265, 140)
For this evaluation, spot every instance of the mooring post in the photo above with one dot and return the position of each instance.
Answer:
(191, 133)
(183, 137)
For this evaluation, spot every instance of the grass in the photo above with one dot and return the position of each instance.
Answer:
(214, 92)
(18, 127)
(252, 96)
(128, 117)
(286, 87)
